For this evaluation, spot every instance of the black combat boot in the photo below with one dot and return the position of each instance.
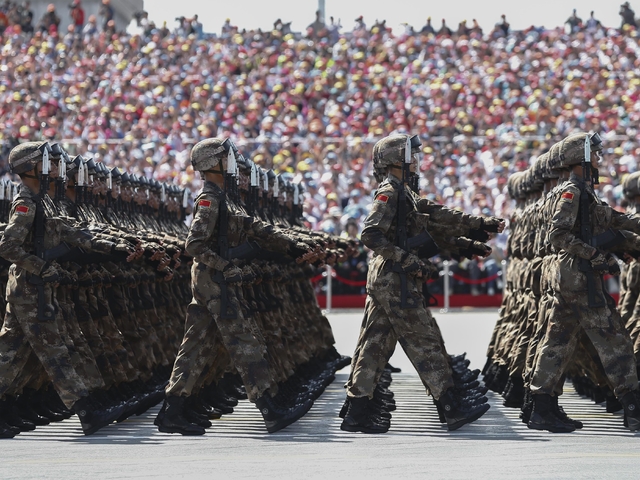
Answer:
(171, 418)
(193, 416)
(631, 410)
(527, 407)
(459, 413)
(359, 418)
(562, 415)
(24, 405)
(200, 406)
(613, 404)
(93, 418)
(391, 368)
(543, 416)
(277, 417)
(514, 396)
(6, 430)
(11, 416)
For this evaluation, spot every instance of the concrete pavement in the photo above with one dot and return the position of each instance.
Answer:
(417, 446)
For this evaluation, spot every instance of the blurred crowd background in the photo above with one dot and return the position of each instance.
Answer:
(485, 100)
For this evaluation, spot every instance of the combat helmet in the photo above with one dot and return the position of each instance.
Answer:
(208, 154)
(26, 156)
(571, 150)
(630, 186)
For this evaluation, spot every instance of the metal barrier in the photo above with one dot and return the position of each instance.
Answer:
(446, 273)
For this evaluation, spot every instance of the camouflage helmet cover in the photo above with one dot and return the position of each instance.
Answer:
(390, 150)
(630, 186)
(26, 156)
(207, 154)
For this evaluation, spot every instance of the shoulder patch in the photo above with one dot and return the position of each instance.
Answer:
(204, 204)
(567, 196)
(22, 210)
(382, 198)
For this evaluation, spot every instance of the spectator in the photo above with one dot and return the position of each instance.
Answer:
(593, 25)
(317, 27)
(503, 26)
(26, 18)
(196, 27)
(90, 30)
(574, 22)
(106, 12)
(428, 28)
(444, 30)
(77, 16)
(50, 21)
(628, 16)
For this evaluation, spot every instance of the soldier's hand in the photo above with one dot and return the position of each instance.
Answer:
(298, 249)
(492, 224)
(614, 267)
(412, 264)
(479, 235)
(430, 271)
(599, 261)
(157, 254)
(480, 249)
(232, 274)
(50, 275)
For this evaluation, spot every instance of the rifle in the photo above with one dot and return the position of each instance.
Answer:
(43, 314)
(586, 230)
(401, 232)
(227, 312)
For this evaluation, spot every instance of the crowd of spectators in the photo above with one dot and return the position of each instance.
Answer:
(311, 105)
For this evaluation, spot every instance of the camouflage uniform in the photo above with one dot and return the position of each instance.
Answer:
(414, 327)
(22, 330)
(246, 349)
(570, 312)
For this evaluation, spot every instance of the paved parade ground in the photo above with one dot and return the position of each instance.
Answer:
(417, 446)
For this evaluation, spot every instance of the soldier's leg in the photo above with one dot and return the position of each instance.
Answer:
(376, 336)
(44, 338)
(614, 347)
(189, 364)
(419, 337)
(247, 352)
(556, 347)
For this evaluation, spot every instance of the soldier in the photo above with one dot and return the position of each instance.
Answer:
(30, 323)
(214, 308)
(580, 302)
(396, 306)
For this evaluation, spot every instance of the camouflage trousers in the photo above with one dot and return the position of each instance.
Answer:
(22, 334)
(568, 317)
(385, 324)
(239, 336)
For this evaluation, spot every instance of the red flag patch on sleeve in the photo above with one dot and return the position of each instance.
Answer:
(22, 209)
(204, 204)
(567, 196)
(382, 198)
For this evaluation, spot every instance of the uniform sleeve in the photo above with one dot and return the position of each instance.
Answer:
(20, 224)
(441, 214)
(623, 221)
(84, 239)
(378, 223)
(268, 236)
(200, 240)
(563, 222)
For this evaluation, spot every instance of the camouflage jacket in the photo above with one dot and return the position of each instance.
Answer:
(564, 233)
(202, 241)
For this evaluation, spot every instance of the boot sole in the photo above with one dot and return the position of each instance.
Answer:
(174, 430)
(361, 429)
(552, 430)
(470, 419)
